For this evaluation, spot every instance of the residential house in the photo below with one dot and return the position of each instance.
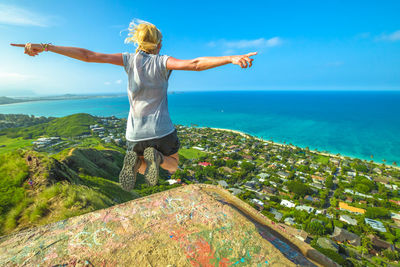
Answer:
(283, 175)
(248, 157)
(278, 216)
(377, 170)
(341, 235)
(312, 199)
(257, 202)
(273, 183)
(380, 244)
(263, 175)
(287, 203)
(172, 181)
(314, 166)
(318, 186)
(348, 219)
(335, 161)
(318, 179)
(269, 190)
(250, 185)
(223, 183)
(346, 207)
(323, 212)
(290, 221)
(227, 169)
(377, 225)
(204, 164)
(308, 209)
(236, 191)
(351, 173)
(395, 217)
(397, 202)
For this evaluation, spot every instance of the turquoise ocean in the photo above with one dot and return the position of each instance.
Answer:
(356, 123)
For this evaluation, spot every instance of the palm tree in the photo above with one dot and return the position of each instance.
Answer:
(394, 163)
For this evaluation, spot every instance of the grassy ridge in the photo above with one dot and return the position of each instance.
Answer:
(69, 126)
(58, 191)
(102, 163)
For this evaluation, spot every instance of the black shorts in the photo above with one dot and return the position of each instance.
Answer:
(167, 145)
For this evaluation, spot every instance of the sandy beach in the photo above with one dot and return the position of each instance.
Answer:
(246, 135)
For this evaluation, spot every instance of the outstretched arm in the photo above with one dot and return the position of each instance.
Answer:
(205, 63)
(74, 52)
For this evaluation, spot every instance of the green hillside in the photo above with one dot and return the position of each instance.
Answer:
(69, 126)
(57, 191)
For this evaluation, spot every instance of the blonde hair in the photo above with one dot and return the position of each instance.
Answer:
(144, 35)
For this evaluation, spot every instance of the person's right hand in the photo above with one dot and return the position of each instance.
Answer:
(243, 60)
(31, 49)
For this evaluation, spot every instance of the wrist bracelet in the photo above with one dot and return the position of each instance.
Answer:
(45, 46)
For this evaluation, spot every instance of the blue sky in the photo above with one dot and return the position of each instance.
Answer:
(302, 45)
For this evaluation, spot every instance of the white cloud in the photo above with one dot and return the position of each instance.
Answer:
(107, 83)
(118, 81)
(256, 43)
(13, 15)
(395, 36)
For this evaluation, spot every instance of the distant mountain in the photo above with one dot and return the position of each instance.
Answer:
(8, 100)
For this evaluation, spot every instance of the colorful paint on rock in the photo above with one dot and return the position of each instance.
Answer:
(185, 226)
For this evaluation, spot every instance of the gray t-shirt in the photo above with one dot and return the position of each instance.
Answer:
(147, 92)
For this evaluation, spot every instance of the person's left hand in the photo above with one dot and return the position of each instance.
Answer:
(31, 49)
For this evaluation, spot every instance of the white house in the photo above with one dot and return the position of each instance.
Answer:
(377, 225)
(309, 209)
(172, 181)
(236, 191)
(257, 202)
(348, 219)
(287, 203)
(223, 183)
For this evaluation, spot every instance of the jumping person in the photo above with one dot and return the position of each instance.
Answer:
(152, 139)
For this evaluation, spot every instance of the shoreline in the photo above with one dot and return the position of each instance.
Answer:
(246, 135)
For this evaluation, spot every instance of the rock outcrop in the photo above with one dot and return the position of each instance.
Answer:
(192, 225)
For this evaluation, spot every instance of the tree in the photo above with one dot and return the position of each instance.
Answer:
(231, 163)
(299, 188)
(391, 255)
(247, 166)
(315, 228)
(236, 156)
(377, 212)
(329, 182)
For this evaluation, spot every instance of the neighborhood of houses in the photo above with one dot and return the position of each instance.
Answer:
(110, 130)
(348, 206)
